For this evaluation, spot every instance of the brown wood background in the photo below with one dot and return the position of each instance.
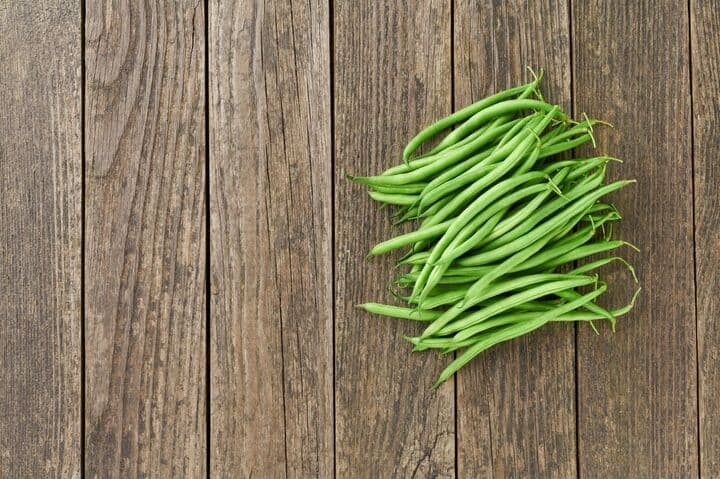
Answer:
(180, 252)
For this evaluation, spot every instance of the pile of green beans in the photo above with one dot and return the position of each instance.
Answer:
(501, 225)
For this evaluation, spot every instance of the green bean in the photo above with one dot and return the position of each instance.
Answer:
(455, 170)
(483, 169)
(589, 164)
(496, 289)
(498, 109)
(512, 132)
(392, 199)
(478, 171)
(515, 226)
(431, 195)
(602, 262)
(458, 116)
(526, 93)
(413, 165)
(464, 245)
(584, 127)
(559, 248)
(497, 224)
(462, 220)
(587, 250)
(557, 148)
(501, 320)
(503, 167)
(571, 295)
(578, 207)
(399, 312)
(419, 258)
(409, 238)
(513, 300)
(504, 124)
(578, 301)
(479, 286)
(409, 189)
(437, 272)
(470, 236)
(443, 160)
(512, 331)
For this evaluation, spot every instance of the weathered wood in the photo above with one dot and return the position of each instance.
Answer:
(145, 239)
(271, 247)
(40, 230)
(516, 403)
(392, 77)
(637, 387)
(705, 35)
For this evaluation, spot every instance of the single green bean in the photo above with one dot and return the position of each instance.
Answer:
(409, 238)
(392, 199)
(399, 312)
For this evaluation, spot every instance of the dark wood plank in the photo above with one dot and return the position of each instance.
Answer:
(705, 35)
(637, 387)
(516, 403)
(40, 231)
(271, 249)
(145, 239)
(392, 77)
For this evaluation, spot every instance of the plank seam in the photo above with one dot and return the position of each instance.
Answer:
(331, 77)
(208, 378)
(452, 107)
(694, 234)
(82, 239)
(576, 330)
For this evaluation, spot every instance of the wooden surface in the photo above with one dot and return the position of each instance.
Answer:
(388, 420)
(180, 252)
(523, 424)
(271, 247)
(145, 408)
(705, 50)
(637, 388)
(40, 239)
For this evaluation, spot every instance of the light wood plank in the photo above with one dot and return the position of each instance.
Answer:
(705, 35)
(40, 231)
(271, 223)
(637, 387)
(516, 403)
(392, 77)
(145, 239)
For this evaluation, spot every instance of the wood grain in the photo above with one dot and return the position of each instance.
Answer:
(145, 239)
(40, 234)
(271, 223)
(705, 35)
(392, 77)
(516, 403)
(637, 387)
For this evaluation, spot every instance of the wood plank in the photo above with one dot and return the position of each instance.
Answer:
(637, 387)
(271, 247)
(392, 77)
(705, 35)
(40, 235)
(516, 403)
(145, 239)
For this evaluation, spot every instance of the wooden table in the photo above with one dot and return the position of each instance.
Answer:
(180, 251)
